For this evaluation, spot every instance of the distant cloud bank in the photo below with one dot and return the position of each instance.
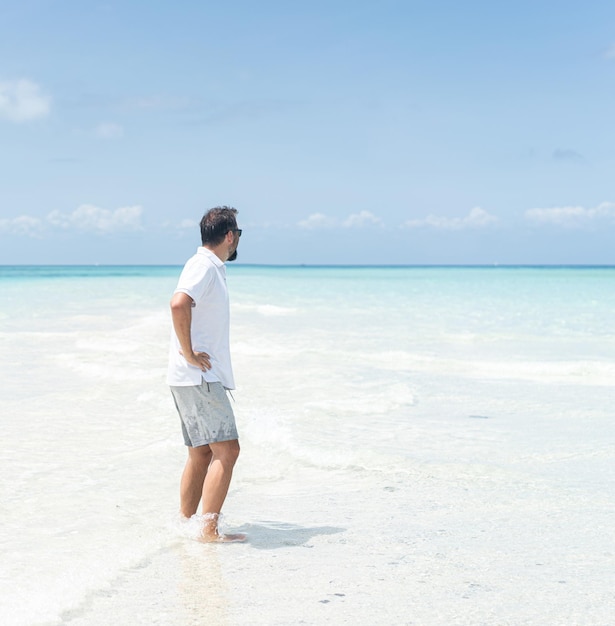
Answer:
(22, 101)
(22, 225)
(85, 218)
(476, 218)
(93, 219)
(319, 221)
(572, 216)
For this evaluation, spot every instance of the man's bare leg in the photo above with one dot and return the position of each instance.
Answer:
(215, 488)
(191, 485)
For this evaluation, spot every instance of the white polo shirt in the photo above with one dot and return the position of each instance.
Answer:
(204, 280)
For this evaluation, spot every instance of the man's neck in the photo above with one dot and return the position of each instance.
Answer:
(220, 251)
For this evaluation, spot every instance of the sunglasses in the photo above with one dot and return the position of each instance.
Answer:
(238, 231)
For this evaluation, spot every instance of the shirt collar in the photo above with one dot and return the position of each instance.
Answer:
(208, 253)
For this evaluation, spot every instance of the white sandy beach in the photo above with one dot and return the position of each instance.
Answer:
(433, 550)
(439, 469)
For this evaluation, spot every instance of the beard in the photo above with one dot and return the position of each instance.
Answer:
(233, 256)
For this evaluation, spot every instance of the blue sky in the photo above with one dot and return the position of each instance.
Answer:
(346, 132)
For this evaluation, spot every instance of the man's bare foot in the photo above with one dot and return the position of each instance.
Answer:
(226, 538)
(211, 534)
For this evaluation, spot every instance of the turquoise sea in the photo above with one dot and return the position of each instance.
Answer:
(420, 445)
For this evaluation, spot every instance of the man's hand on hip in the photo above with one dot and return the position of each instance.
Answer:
(198, 359)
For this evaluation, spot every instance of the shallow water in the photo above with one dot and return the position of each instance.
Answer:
(441, 440)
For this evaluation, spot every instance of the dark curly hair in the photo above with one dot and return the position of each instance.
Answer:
(216, 223)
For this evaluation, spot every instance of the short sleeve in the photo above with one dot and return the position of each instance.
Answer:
(196, 279)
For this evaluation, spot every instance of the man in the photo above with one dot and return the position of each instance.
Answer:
(200, 372)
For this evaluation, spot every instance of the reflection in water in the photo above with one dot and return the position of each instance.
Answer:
(202, 590)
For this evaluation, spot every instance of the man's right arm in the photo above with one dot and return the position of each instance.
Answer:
(181, 313)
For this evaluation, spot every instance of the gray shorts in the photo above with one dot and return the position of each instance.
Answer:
(206, 414)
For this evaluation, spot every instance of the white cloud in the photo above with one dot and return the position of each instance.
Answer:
(22, 100)
(317, 221)
(94, 219)
(572, 216)
(476, 218)
(359, 220)
(22, 225)
(186, 224)
(85, 218)
(109, 130)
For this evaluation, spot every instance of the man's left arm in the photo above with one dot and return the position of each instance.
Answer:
(181, 314)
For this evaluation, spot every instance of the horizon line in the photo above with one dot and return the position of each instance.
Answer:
(329, 265)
